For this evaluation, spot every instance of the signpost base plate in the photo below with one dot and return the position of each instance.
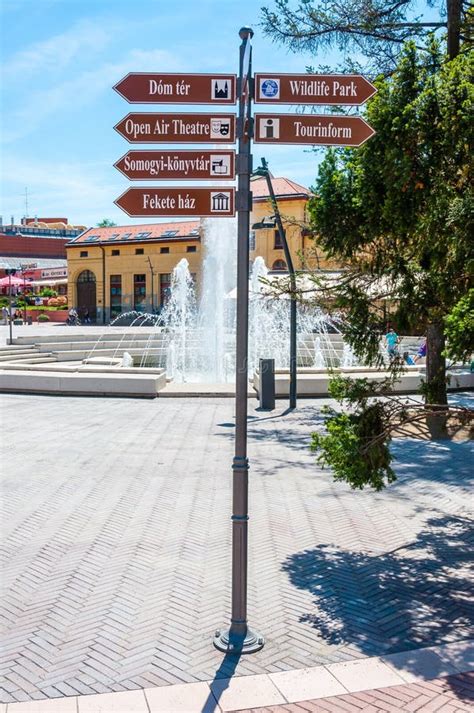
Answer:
(231, 643)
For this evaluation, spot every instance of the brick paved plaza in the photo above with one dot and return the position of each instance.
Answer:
(117, 542)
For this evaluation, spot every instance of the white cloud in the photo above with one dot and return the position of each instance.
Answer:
(56, 52)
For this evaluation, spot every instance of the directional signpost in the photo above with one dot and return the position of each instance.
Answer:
(223, 201)
(163, 128)
(147, 202)
(146, 88)
(320, 129)
(178, 165)
(327, 89)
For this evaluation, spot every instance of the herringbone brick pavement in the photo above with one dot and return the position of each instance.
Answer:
(115, 562)
(451, 694)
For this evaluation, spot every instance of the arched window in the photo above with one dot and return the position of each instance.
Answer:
(86, 276)
(279, 266)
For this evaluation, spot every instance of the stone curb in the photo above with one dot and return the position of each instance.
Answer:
(226, 695)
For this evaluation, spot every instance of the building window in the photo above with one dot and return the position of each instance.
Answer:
(277, 241)
(252, 240)
(139, 251)
(115, 252)
(165, 287)
(84, 253)
(191, 249)
(139, 292)
(279, 266)
(164, 251)
(115, 295)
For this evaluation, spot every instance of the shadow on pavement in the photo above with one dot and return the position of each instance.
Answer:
(220, 682)
(415, 596)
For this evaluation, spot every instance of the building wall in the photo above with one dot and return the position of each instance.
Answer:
(127, 264)
(24, 246)
(303, 252)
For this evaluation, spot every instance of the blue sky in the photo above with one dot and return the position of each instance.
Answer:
(60, 60)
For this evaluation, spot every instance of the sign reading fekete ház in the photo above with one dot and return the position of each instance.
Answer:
(149, 88)
(316, 129)
(331, 89)
(205, 202)
(181, 128)
(177, 165)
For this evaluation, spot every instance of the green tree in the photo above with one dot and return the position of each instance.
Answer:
(374, 30)
(106, 223)
(398, 210)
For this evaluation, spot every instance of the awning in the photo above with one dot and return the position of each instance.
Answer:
(47, 283)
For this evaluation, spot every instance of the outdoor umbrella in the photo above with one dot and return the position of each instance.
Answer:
(15, 281)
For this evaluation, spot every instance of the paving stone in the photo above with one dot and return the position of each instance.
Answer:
(182, 698)
(53, 705)
(118, 546)
(306, 683)
(127, 702)
(245, 691)
(364, 674)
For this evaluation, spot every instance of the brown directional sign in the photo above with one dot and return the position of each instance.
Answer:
(315, 129)
(178, 165)
(148, 88)
(178, 128)
(149, 202)
(340, 89)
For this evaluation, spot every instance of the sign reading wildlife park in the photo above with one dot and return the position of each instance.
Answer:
(330, 89)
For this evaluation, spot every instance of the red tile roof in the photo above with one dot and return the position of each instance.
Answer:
(283, 187)
(132, 233)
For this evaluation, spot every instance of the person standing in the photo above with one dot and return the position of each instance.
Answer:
(392, 341)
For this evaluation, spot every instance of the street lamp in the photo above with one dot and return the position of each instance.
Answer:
(10, 271)
(152, 276)
(271, 222)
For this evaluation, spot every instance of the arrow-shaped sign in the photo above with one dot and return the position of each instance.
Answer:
(337, 89)
(178, 128)
(147, 202)
(147, 88)
(178, 165)
(315, 129)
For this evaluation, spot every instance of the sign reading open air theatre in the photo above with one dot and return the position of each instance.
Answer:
(220, 128)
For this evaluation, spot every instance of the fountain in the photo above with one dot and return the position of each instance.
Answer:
(201, 346)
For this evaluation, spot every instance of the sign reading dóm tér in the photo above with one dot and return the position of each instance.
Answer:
(152, 88)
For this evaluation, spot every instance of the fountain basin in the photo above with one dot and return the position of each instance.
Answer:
(315, 382)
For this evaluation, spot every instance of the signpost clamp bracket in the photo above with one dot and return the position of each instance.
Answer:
(243, 200)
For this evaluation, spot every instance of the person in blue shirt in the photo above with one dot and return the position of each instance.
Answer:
(392, 340)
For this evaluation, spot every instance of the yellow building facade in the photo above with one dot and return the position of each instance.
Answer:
(118, 269)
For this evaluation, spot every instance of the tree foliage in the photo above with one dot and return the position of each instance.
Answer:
(106, 223)
(460, 329)
(398, 210)
(372, 31)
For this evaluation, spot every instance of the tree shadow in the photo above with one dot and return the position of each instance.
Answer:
(415, 596)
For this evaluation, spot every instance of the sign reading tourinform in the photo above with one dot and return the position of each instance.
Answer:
(178, 165)
(330, 89)
(147, 202)
(181, 128)
(320, 129)
(146, 88)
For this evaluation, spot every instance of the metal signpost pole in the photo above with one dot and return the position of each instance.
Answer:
(291, 272)
(239, 639)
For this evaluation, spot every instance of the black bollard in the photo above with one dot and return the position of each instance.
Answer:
(267, 384)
